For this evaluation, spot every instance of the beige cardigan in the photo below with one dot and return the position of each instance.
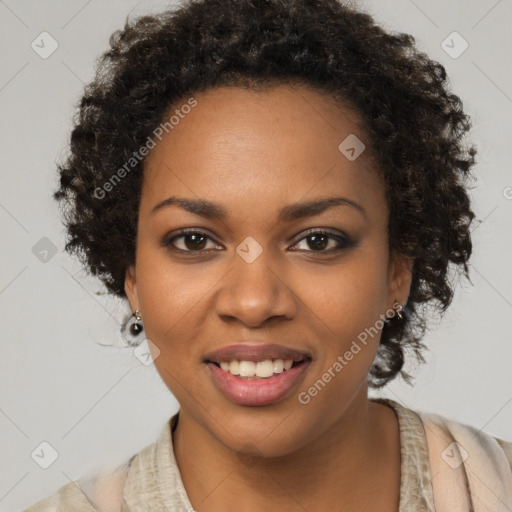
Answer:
(446, 466)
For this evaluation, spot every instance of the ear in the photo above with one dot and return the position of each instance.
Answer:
(400, 278)
(130, 287)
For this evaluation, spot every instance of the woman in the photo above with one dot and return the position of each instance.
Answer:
(279, 191)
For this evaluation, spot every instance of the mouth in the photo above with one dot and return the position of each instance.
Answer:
(258, 370)
(256, 373)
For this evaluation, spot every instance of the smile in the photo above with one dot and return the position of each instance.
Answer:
(256, 369)
(257, 383)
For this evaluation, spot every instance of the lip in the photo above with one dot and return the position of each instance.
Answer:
(255, 352)
(258, 392)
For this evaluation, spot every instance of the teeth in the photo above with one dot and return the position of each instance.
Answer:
(260, 369)
(264, 368)
(247, 368)
(234, 367)
(278, 366)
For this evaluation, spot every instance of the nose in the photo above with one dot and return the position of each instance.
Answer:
(254, 292)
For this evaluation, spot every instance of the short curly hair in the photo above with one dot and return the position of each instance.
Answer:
(414, 125)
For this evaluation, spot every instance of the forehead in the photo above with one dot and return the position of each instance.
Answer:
(262, 147)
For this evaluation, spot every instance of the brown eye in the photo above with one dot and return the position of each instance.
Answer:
(189, 241)
(318, 241)
(194, 241)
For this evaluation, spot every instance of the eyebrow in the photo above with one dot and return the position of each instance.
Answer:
(291, 212)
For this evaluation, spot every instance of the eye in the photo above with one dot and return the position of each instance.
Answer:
(319, 240)
(190, 241)
(197, 241)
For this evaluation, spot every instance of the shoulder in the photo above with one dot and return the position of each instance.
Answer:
(441, 432)
(103, 490)
(506, 446)
(465, 466)
(135, 482)
(482, 445)
(468, 463)
(69, 498)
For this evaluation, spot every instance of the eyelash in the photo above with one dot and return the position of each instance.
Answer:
(344, 241)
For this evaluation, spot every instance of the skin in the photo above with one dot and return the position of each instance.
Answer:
(254, 152)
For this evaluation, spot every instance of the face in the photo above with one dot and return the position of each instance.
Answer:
(256, 267)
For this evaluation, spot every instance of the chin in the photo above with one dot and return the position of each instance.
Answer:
(252, 433)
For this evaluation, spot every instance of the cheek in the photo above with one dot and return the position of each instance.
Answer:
(167, 298)
(170, 299)
(350, 312)
(352, 296)
(170, 294)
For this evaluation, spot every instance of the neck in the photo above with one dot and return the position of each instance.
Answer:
(337, 470)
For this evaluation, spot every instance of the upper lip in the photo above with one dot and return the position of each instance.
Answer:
(255, 352)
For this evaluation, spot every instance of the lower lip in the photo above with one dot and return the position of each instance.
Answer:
(255, 392)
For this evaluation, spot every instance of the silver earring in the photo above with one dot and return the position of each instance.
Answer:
(399, 309)
(133, 329)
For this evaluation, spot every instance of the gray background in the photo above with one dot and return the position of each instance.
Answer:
(97, 405)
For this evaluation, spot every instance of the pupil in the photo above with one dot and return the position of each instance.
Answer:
(315, 243)
(195, 245)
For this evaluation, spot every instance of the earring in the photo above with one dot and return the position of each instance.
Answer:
(399, 309)
(133, 329)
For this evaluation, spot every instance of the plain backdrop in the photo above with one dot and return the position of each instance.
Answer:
(67, 380)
